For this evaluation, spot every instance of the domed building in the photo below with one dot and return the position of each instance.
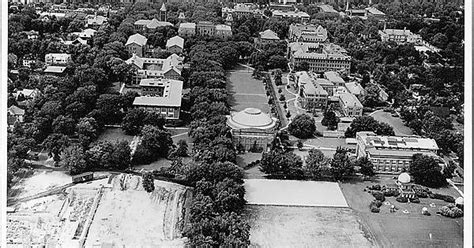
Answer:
(251, 127)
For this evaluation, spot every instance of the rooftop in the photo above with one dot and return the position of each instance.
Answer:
(222, 27)
(327, 8)
(355, 88)
(374, 11)
(350, 100)
(269, 35)
(397, 142)
(175, 41)
(14, 110)
(334, 77)
(191, 25)
(251, 118)
(137, 39)
(55, 69)
(171, 96)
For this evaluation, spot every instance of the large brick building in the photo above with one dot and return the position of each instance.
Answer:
(321, 57)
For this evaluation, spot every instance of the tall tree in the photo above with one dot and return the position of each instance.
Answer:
(426, 171)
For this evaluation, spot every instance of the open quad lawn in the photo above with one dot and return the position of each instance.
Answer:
(275, 226)
(400, 229)
(245, 91)
(114, 134)
(158, 164)
(398, 127)
(246, 158)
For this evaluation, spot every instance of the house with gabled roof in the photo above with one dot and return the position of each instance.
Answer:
(169, 68)
(136, 44)
(15, 114)
(175, 44)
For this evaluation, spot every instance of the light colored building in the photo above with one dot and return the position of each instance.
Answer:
(205, 28)
(187, 29)
(251, 127)
(267, 37)
(400, 36)
(329, 87)
(95, 21)
(15, 114)
(57, 58)
(28, 94)
(334, 78)
(393, 154)
(300, 15)
(374, 12)
(328, 9)
(55, 70)
(350, 105)
(175, 44)
(223, 31)
(151, 25)
(312, 95)
(162, 96)
(169, 68)
(28, 59)
(307, 33)
(136, 44)
(356, 89)
(31, 35)
(241, 9)
(86, 34)
(321, 57)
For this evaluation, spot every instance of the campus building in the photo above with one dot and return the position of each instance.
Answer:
(151, 25)
(307, 33)
(204, 28)
(400, 36)
(321, 57)
(393, 154)
(266, 37)
(187, 29)
(169, 68)
(350, 105)
(136, 44)
(250, 127)
(162, 96)
(57, 58)
(312, 95)
(175, 44)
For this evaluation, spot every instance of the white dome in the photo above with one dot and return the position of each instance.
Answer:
(459, 201)
(424, 209)
(251, 118)
(404, 178)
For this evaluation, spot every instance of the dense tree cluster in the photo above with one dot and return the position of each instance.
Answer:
(303, 126)
(368, 123)
(426, 171)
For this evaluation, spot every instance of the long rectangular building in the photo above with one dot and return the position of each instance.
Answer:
(393, 154)
(321, 57)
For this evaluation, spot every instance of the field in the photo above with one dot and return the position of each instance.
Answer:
(399, 229)
(113, 134)
(293, 193)
(245, 91)
(273, 226)
(398, 127)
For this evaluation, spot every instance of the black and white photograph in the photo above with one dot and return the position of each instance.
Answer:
(236, 123)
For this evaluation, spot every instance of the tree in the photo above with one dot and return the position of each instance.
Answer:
(299, 144)
(303, 126)
(282, 164)
(213, 172)
(133, 121)
(426, 171)
(330, 120)
(109, 105)
(121, 155)
(303, 66)
(317, 165)
(64, 125)
(368, 123)
(87, 131)
(181, 150)
(148, 182)
(155, 143)
(341, 166)
(366, 167)
(55, 144)
(75, 160)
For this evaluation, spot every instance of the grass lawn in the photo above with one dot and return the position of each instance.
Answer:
(404, 230)
(274, 226)
(113, 134)
(246, 158)
(245, 91)
(160, 163)
(398, 127)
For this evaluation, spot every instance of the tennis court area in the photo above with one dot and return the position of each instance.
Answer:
(293, 193)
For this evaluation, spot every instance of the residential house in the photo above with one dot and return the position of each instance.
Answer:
(15, 114)
(95, 21)
(26, 94)
(136, 44)
(151, 25)
(175, 44)
(55, 70)
(267, 37)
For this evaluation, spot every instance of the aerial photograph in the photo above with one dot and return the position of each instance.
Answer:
(240, 123)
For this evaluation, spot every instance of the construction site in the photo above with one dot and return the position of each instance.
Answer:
(112, 211)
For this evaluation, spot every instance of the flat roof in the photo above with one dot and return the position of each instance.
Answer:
(404, 142)
(172, 95)
(55, 69)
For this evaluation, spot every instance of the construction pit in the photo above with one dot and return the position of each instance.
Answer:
(112, 212)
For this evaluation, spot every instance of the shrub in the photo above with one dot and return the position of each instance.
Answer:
(282, 98)
(375, 210)
(389, 193)
(415, 200)
(446, 198)
(451, 211)
(378, 196)
(402, 199)
(421, 194)
(375, 187)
